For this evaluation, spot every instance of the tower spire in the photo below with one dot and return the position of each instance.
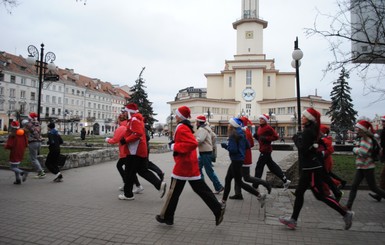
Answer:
(250, 9)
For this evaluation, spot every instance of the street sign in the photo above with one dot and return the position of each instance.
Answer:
(51, 77)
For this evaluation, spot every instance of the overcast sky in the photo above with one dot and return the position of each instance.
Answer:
(178, 41)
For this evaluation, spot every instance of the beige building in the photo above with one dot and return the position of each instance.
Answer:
(250, 84)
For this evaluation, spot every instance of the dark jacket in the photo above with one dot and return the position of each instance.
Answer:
(54, 140)
(237, 146)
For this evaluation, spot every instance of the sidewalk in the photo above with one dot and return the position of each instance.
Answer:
(85, 209)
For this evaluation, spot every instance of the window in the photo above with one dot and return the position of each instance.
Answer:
(22, 81)
(248, 78)
(54, 87)
(11, 105)
(13, 79)
(281, 110)
(89, 104)
(73, 91)
(54, 99)
(53, 111)
(59, 100)
(22, 94)
(291, 110)
(1, 76)
(59, 111)
(1, 105)
(72, 102)
(22, 108)
(1, 90)
(59, 88)
(268, 81)
(47, 99)
(32, 107)
(230, 82)
(12, 93)
(33, 83)
(66, 101)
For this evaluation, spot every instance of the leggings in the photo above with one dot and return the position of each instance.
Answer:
(314, 179)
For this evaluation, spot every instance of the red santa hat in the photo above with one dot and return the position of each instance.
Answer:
(325, 129)
(245, 121)
(132, 108)
(312, 115)
(264, 117)
(32, 116)
(365, 126)
(383, 118)
(183, 112)
(15, 124)
(201, 118)
(235, 122)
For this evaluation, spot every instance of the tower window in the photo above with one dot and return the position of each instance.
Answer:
(248, 77)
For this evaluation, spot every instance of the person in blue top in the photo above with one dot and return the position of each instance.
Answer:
(236, 146)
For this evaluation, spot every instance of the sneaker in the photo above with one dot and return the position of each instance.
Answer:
(375, 196)
(289, 222)
(40, 175)
(262, 199)
(123, 197)
(236, 197)
(59, 178)
(161, 176)
(219, 217)
(121, 188)
(17, 182)
(162, 189)
(24, 176)
(219, 191)
(348, 218)
(163, 221)
(286, 185)
(137, 190)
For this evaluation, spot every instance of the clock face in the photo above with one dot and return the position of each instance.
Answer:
(249, 34)
(248, 94)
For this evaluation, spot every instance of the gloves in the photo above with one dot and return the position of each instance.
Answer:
(224, 145)
(171, 144)
(123, 141)
(107, 139)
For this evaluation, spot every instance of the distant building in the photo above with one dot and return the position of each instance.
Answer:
(250, 84)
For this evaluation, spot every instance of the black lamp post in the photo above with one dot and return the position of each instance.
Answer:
(209, 114)
(41, 68)
(297, 56)
(171, 118)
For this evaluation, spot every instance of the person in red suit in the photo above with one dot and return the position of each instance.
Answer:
(265, 135)
(135, 139)
(17, 142)
(186, 168)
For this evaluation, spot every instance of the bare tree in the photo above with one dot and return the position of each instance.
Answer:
(356, 37)
(9, 4)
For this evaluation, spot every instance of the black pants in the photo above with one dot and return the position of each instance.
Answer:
(52, 161)
(119, 165)
(151, 166)
(265, 159)
(234, 172)
(313, 179)
(247, 178)
(138, 165)
(368, 174)
(199, 187)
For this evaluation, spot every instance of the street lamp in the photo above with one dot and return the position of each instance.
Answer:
(208, 114)
(296, 63)
(171, 117)
(41, 68)
(297, 56)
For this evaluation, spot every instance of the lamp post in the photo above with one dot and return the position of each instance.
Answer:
(208, 114)
(41, 67)
(296, 63)
(297, 56)
(171, 118)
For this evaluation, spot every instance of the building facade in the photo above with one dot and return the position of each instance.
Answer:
(250, 84)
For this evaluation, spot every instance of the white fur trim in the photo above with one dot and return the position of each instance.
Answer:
(179, 114)
(360, 126)
(309, 116)
(234, 123)
(264, 118)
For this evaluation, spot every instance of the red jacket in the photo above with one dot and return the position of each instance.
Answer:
(265, 136)
(118, 135)
(136, 136)
(17, 144)
(185, 154)
(248, 156)
(327, 151)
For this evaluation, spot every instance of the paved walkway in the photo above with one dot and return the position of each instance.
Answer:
(84, 209)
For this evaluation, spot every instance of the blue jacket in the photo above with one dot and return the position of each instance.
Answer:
(237, 150)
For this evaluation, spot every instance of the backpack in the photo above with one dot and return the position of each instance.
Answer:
(375, 150)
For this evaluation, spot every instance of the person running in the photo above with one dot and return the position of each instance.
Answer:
(123, 151)
(312, 173)
(205, 145)
(135, 139)
(265, 135)
(186, 168)
(34, 143)
(54, 142)
(151, 166)
(382, 158)
(17, 143)
(247, 164)
(236, 146)
(364, 162)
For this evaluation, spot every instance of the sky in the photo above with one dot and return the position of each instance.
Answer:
(176, 41)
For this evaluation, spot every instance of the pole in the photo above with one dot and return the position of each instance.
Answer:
(40, 69)
(298, 88)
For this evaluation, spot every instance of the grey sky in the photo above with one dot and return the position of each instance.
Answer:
(177, 41)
